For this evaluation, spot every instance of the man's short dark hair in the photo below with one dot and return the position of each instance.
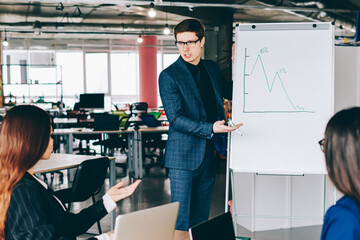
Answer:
(190, 25)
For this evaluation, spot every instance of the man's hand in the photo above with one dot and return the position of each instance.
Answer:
(110, 234)
(118, 192)
(220, 127)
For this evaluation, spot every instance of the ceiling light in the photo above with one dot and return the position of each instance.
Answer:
(152, 12)
(77, 12)
(140, 39)
(37, 28)
(37, 24)
(5, 42)
(166, 29)
(60, 7)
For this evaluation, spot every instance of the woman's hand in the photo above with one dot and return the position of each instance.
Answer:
(118, 192)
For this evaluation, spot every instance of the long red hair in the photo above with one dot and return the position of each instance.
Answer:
(24, 137)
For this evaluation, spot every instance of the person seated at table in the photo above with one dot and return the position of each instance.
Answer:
(341, 146)
(29, 210)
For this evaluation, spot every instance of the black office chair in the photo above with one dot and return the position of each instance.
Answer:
(153, 143)
(138, 108)
(114, 141)
(88, 181)
(154, 149)
(83, 122)
(56, 148)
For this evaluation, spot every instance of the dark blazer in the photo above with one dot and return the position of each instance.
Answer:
(184, 108)
(34, 213)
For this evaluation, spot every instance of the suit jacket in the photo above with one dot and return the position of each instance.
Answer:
(184, 108)
(34, 213)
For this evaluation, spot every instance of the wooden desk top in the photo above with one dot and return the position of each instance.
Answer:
(60, 161)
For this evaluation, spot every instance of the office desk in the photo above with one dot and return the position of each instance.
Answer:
(59, 161)
(135, 153)
(69, 132)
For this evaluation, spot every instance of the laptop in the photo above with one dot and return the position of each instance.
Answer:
(150, 120)
(220, 227)
(157, 223)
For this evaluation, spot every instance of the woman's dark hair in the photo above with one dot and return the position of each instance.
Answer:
(190, 25)
(342, 151)
(24, 137)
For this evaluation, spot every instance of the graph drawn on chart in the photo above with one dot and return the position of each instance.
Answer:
(265, 91)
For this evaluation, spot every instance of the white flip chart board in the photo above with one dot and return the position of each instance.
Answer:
(283, 94)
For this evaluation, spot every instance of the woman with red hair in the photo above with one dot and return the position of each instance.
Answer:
(29, 210)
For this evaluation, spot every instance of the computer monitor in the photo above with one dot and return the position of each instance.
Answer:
(92, 100)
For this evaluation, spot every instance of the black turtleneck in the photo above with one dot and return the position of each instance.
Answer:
(205, 88)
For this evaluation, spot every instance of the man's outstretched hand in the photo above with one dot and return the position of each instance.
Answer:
(220, 127)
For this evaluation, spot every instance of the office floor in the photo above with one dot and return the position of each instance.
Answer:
(155, 190)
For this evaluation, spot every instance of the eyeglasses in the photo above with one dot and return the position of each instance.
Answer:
(321, 143)
(190, 44)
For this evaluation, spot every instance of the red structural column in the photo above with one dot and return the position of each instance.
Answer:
(147, 69)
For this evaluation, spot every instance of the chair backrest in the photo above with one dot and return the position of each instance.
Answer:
(138, 107)
(119, 113)
(124, 122)
(106, 122)
(89, 178)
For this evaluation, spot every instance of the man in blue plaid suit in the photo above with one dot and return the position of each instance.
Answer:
(192, 92)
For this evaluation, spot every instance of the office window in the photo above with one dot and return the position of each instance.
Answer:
(12, 75)
(170, 58)
(159, 64)
(163, 61)
(72, 69)
(31, 81)
(124, 74)
(96, 69)
(41, 74)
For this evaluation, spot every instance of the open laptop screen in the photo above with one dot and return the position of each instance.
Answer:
(220, 227)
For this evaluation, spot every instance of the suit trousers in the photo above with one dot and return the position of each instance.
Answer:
(193, 189)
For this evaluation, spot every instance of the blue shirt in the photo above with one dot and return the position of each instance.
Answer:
(342, 221)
